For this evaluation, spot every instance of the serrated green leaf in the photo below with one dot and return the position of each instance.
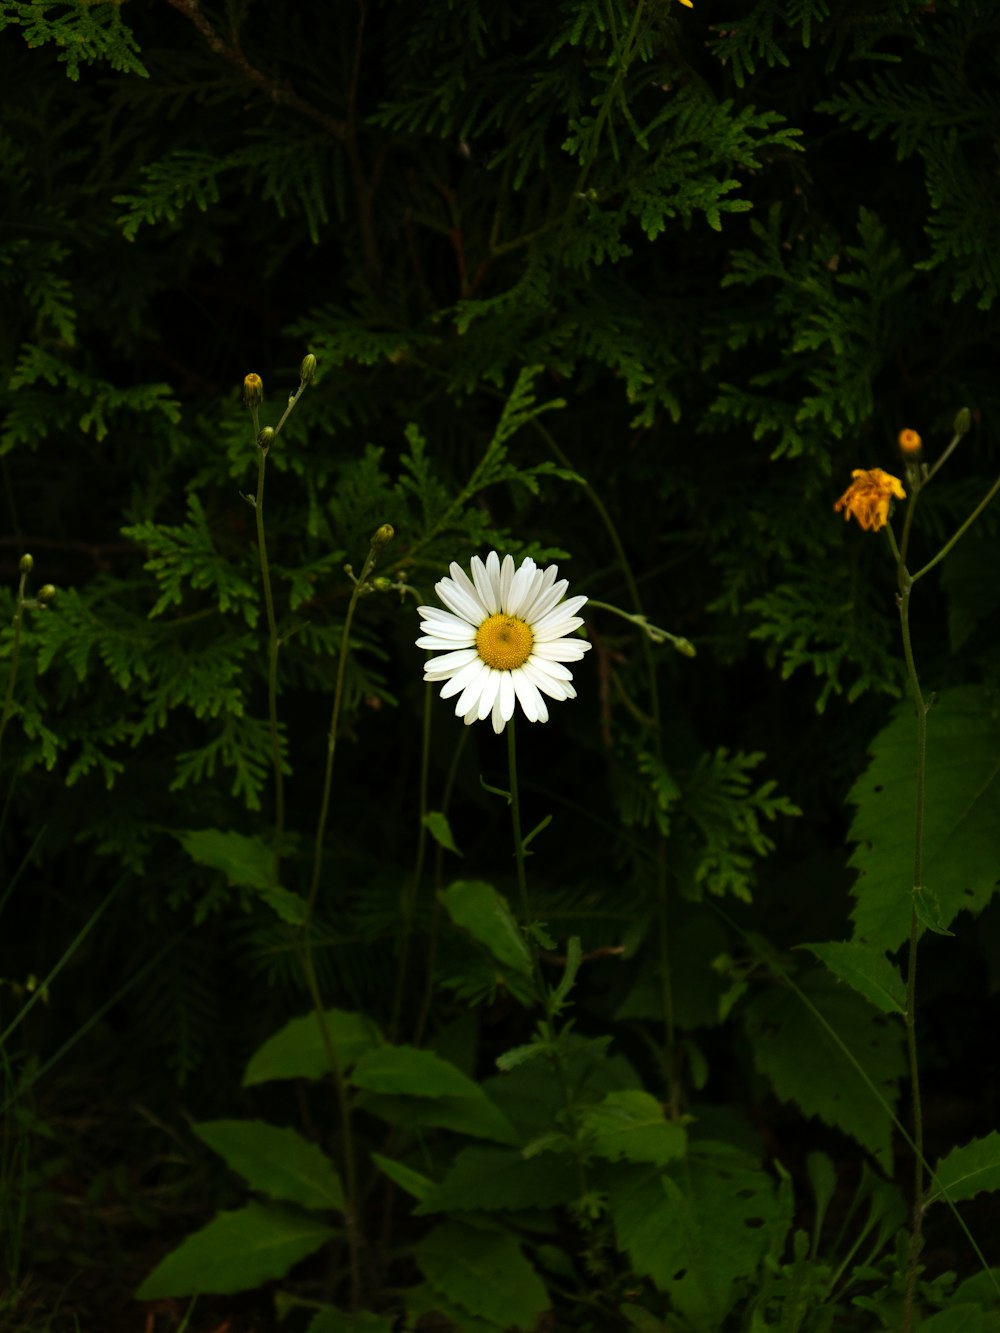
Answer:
(968, 1170)
(491, 1179)
(276, 1161)
(806, 1066)
(247, 863)
(961, 849)
(869, 972)
(630, 1124)
(438, 827)
(485, 1273)
(478, 908)
(476, 1116)
(237, 1251)
(417, 1185)
(698, 1230)
(298, 1051)
(415, 1073)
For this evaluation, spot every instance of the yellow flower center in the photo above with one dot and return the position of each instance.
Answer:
(504, 642)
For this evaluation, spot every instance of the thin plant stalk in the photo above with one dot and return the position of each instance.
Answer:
(527, 921)
(274, 643)
(15, 652)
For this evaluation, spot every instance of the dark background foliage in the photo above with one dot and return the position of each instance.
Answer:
(744, 244)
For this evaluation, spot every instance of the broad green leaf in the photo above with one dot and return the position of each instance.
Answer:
(438, 827)
(490, 1179)
(237, 1251)
(868, 971)
(475, 1116)
(961, 818)
(639, 1317)
(287, 906)
(246, 862)
(428, 1300)
(363, 1321)
(416, 1073)
(278, 1162)
(415, 1184)
(485, 1273)
(631, 1125)
(298, 1051)
(478, 908)
(968, 1170)
(805, 1065)
(962, 1318)
(698, 1229)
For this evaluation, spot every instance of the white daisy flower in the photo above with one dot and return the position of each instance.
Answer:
(503, 639)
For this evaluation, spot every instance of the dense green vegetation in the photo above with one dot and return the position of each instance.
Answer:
(312, 1009)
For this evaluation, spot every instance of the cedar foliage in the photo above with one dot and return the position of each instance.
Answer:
(613, 283)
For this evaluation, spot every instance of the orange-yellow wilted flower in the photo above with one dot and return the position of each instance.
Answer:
(868, 497)
(910, 443)
(688, 3)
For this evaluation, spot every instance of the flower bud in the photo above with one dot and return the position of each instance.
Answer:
(265, 439)
(685, 647)
(910, 443)
(46, 594)
(963, 420)
(382, 584)
(382, 537)
(27, 564)
(253, 390)
(307, 370)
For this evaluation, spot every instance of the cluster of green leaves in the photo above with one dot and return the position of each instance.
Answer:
(514, 238)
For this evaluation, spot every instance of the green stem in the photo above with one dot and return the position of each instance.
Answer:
(527, 921)
(905, 585)
(331, 746)
(274, 644)
(960, 533)
(15, 654)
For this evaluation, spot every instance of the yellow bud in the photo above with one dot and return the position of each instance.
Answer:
(265, 439)
(963, 420)
(46, 594)
(382, 537)
(27, 564)
(307, 370)
(253, 390)
(910, 443)
(382, 584)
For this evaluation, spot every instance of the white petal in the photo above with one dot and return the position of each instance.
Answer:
(550, 668)
(546, 598)
(506, 696)
(484, 587)
(469, 697)
(493, 571)
(506, 574)
(435, 645)
(520, 587)
(443, 622)
(489, 694)
(561, 650)
(527, 694)
(552, 629)
(497, 717)
(464, 582)
(546, 626)
(555, 689)
(461, 678)
(463, 604)
(439, 667)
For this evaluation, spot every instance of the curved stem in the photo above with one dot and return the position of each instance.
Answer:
(960, 533)
(274, 644)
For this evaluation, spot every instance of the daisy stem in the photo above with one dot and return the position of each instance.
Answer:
(527, 921)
